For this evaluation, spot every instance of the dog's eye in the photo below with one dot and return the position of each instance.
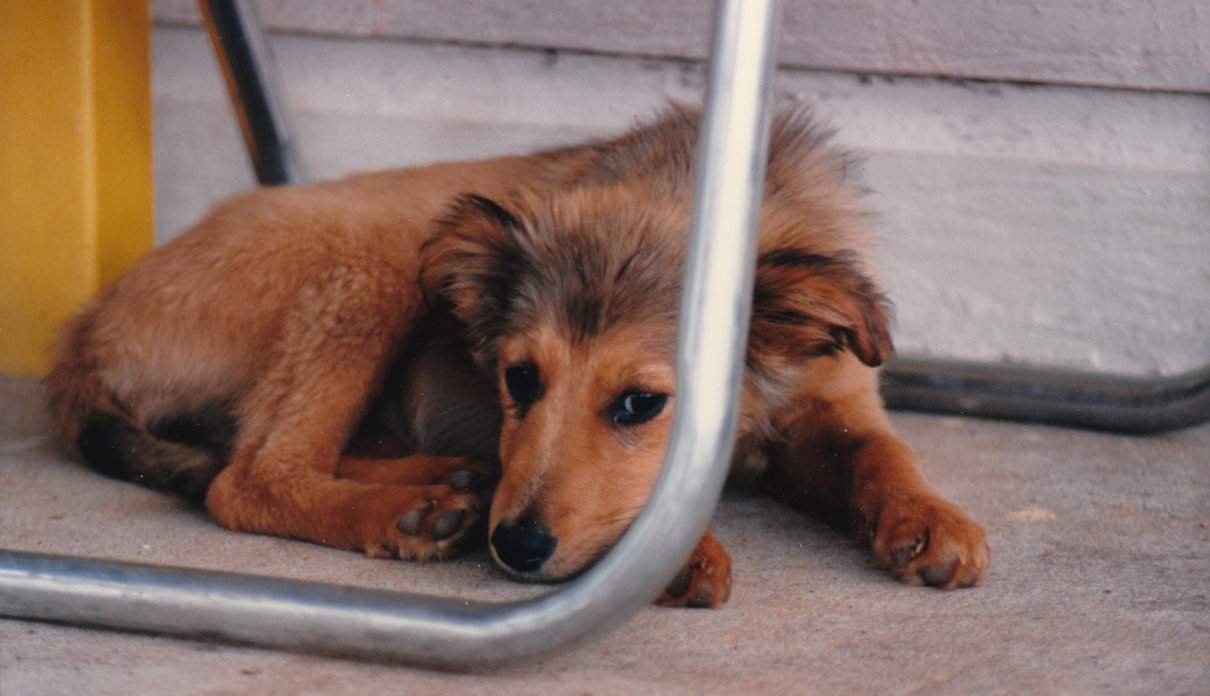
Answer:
(523, 384)
(636, 407)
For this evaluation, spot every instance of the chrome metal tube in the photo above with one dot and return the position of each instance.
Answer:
(246, 60)
(456, 634)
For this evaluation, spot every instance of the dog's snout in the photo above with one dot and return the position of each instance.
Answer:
(522, 545)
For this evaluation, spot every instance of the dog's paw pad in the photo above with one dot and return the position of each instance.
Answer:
(411, 523)
(937, 575)
(925, 540)
(704, 581)
(422, 522)
(446, 524)
(463, 479)
(680, 584)
(701, 595)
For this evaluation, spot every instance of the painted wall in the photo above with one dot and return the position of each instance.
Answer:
(1150, 44)
(1053, 223)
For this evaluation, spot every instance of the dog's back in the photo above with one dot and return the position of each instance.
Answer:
(148, 380)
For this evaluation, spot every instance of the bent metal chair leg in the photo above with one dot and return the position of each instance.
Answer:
(246, 60)
(455, 633)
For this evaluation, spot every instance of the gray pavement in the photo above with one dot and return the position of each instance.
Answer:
(1099, 584)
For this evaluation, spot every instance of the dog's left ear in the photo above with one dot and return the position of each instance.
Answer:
(473, 259)
(810, 305)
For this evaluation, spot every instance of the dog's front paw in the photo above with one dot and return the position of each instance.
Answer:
(924, 539)
(705, 581)
(421, 522)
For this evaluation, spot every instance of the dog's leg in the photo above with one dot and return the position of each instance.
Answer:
(416, 470)
(842, 460)
(296, 420)
(286, 487)
(705, 581)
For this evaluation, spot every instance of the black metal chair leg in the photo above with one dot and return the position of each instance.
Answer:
(251, 74)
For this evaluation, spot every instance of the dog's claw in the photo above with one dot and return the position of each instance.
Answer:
(926, 540)
(906, 554)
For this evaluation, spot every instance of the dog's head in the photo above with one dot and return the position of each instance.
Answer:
(571, 304)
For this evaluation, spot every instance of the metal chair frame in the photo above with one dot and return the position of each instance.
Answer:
(453, 633)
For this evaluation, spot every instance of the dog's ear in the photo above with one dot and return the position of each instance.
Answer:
(472, 261)
(808, 304)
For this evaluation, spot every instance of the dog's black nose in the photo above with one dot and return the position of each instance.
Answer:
(524, 545)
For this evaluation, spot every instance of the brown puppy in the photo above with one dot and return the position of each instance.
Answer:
(509, 319)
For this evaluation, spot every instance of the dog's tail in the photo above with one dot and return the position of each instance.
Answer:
(90, 422)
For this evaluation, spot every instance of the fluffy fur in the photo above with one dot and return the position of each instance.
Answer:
(362, 363)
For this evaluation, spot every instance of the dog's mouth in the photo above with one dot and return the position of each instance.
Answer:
(537, 577)
(540, 575)
(543, 576)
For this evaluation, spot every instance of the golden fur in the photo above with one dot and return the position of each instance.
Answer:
(360, 363)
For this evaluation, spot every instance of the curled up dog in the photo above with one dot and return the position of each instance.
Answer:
(399, 362)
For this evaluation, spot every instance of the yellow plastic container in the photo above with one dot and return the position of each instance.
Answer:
(75, 161)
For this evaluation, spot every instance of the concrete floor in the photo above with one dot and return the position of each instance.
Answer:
(1101, 571)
